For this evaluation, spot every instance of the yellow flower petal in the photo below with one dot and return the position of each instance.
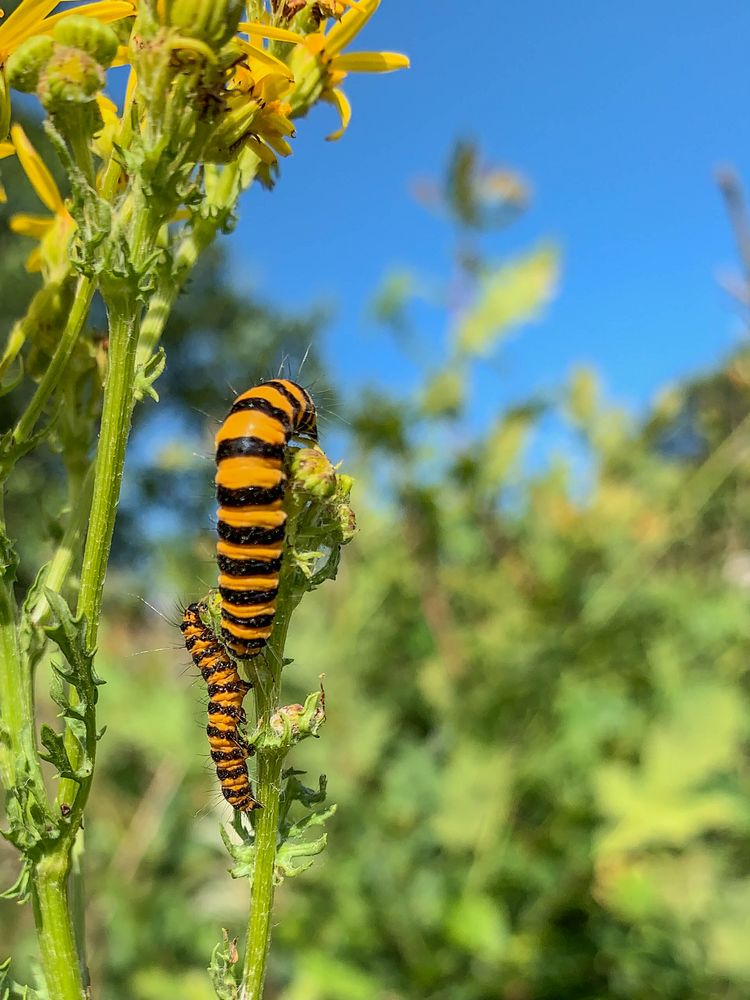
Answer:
(369, 62)
(6, 149)
(341, 102)
(122, 57)
(23, 23)
(34, 261)
(264, 154)
(105, 11)
(255, 54)
(35, 169)
(268, 31)
(3, 195)
(107, 109)
(35, 226)
(349, 26)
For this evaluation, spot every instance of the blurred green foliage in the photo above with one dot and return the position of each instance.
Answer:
(537, 688)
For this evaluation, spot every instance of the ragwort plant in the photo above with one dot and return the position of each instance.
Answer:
(213, 90)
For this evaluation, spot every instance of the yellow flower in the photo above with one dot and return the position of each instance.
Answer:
(328, 48)
(31, 18)
(329, 62)
(52, 231)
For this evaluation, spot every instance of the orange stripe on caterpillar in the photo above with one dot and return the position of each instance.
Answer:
(226, 692)
(251, 523)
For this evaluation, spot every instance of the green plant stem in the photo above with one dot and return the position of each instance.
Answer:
(268, 790)
(76, 318)
(54, 929)
(261, 903)
(59, 567)
(16, 693)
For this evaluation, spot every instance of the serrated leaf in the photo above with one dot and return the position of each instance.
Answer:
(148, 374)
(8, 559)
(56, 754)
(69, 634)
(21, 888)
(221, 970)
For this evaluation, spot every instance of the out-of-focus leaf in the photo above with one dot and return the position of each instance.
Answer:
(323, 976)
(392, 299)
(478, 925)
(508, 295)
(674, 795)
(504, 447)
(443, 395)
(479, 782)
(583, 395)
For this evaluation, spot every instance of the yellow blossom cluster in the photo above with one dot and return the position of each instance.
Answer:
(290, 57)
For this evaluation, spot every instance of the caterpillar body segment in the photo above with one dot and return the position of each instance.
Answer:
(250, 482)
(226, 692)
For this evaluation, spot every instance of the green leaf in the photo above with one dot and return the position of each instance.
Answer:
(444, 393)
(221, 972)
(21, 888)
(69, 634)
(57, 755)
(680, 790)
(509, 295)
(477, 925)
(148, 374)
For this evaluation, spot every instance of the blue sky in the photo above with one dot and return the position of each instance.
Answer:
(616, 113)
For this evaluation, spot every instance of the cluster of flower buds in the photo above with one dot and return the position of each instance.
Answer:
(66, 67)
(315, 479)
(212, 21)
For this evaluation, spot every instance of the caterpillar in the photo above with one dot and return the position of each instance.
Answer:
(226, 691)
(250, 481)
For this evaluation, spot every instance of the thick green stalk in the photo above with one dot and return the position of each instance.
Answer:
(261, 905)
(54, 929)
(268, 790)
(110, 460)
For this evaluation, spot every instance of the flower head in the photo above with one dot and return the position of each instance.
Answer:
(52, 231)
(31, 17)
(327, 48)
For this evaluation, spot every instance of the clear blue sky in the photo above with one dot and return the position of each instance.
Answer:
(617, 113)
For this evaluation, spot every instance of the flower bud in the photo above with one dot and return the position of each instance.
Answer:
(96, 39)
(27, 62)
(212, 21)
(71, 76)
(313, 473)
(344, 485)
(293, 723)
(347, 523)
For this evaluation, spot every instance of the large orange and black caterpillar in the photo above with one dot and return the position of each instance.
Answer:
(226, 691)
(250, 481)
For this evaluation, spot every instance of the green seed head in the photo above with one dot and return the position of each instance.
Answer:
(72, 76)
(313, 473)
(212, 21)
(28, 61)
(97, 40)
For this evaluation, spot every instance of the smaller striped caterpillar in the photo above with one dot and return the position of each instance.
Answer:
(226, 691)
